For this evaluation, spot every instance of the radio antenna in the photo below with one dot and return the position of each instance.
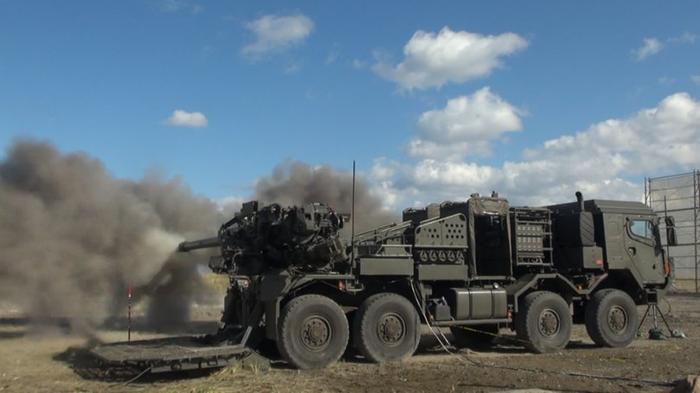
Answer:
(352, 218)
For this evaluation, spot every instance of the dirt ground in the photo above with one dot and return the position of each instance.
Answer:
(47, 359)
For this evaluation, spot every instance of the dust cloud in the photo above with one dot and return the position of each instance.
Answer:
(73, 237)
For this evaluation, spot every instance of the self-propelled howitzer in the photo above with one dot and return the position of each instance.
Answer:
(474, 266)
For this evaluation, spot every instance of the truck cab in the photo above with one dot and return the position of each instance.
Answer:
(618, 238)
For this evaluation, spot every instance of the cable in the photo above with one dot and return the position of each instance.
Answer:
(134, 379)
(468, 360)
(427, 322)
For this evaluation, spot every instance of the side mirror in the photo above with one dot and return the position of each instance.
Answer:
(671, 238)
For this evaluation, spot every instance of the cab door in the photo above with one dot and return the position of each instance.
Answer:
(642, 248)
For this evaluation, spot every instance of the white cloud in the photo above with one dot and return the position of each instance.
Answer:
(432, 60)
(685, 38)
(383, 169)
(465, 126)
(650, 46)
(277, 33)
(602, 161)
(665, 136)
(431, 172)
(387, 194)
(182, 118)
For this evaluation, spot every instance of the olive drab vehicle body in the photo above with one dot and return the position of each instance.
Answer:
(475, 266)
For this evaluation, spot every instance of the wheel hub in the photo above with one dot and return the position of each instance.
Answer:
(549, 322)
(391, 329)
(315, 333)
(617, 319)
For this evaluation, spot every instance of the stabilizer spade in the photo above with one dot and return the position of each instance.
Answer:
(178, 354)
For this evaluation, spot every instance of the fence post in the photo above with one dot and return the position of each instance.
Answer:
(696, 194)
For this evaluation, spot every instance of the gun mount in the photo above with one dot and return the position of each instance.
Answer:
(258, 239)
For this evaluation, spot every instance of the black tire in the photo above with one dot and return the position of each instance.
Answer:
(611, 318)
(312, 332)
(476, 336)
(386, 328)
(543, 322)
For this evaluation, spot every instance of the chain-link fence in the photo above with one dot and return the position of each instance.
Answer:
(679, 196)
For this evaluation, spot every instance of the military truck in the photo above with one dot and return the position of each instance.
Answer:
(472, 266)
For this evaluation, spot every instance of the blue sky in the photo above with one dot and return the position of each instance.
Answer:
(260, 83)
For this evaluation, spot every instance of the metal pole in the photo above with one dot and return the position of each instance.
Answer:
(696, 189)
(650, 195)
(352, 218)
(646, 195)
(668, 247)
(128, 316)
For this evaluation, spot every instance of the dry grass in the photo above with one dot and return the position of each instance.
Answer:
(217, 282)
(684, 285)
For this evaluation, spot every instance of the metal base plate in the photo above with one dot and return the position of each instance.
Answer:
(172, 354)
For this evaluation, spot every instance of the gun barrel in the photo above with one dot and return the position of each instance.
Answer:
(209, 242)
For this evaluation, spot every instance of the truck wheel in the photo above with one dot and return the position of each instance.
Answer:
(313, 332)
(476, 336)
(543, 322)
(611, 318)
(386, 328)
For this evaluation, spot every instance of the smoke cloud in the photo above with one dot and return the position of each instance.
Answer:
(297, 183)
(73, 237)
